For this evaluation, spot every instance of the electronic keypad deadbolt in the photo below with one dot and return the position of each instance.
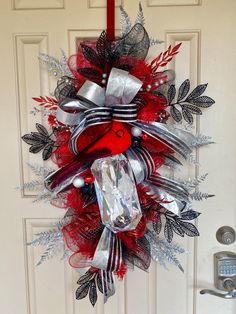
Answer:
(224, 275)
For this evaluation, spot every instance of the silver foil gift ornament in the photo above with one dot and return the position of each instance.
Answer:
(116, 193)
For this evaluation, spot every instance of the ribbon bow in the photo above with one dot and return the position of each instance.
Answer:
(97, 105)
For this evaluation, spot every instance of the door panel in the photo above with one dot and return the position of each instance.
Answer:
(207, 30)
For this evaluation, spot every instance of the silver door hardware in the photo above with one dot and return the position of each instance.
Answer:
(226, 235)
(224, 275)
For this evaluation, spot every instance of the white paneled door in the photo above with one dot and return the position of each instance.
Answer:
(207, 29)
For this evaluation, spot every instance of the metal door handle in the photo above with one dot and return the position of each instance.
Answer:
(228, 285)
(229, 295)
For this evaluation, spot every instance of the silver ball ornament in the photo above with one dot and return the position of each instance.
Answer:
(78, 182)
(136, 132)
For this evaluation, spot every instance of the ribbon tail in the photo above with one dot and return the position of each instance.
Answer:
(108, 254)
(108, 286)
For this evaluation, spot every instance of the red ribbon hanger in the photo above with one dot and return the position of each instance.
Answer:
(111, 19)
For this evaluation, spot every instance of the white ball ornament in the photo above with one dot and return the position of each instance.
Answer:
(136, 132)
(78, 182)
(148, 88)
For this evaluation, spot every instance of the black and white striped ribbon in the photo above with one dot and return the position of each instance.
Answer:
(99, 114)
(108, 285)
(108, 254)
(124, 113)
(141, 163)
(171, 186)
(119, 112)
(163, 134)
(115, 256)
(147, 159)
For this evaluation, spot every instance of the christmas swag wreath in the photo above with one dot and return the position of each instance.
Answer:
(114, 125)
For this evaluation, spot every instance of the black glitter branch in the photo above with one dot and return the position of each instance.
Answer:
(40, 140)
(190, 104)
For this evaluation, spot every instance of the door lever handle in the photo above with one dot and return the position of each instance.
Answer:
(228, 284)
(228, 295)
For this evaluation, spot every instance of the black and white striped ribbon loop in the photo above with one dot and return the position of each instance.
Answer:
(167, 136)
(71, 111)
(171, 186)
(141, 163)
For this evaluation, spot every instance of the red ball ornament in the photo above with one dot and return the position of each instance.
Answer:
(144, 136)
(89, 179)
